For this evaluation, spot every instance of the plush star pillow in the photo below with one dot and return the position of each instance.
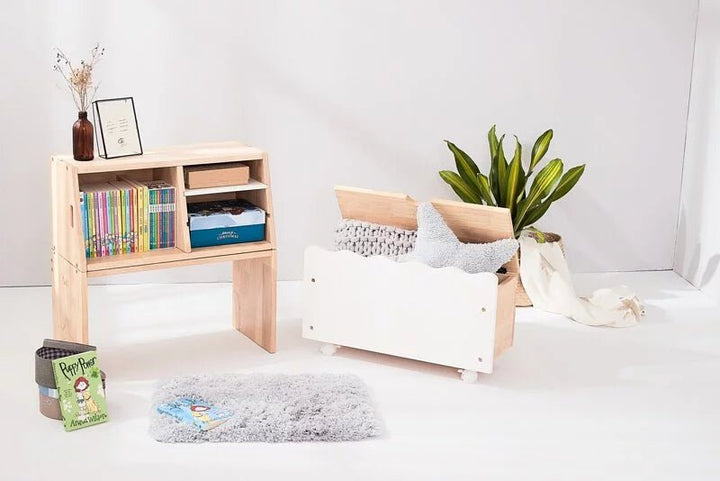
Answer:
(438, 246)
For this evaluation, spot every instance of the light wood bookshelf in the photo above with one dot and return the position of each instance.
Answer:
(254, 263)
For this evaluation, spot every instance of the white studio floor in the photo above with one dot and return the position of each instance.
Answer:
(566, 402)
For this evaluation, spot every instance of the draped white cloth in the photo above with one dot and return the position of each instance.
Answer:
(546, 279)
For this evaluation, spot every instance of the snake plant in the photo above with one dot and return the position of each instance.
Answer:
(508, 184)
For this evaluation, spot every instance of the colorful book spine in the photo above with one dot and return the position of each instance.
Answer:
(127, 216)
(91, 223)
(137, 214)
(107, 218)
(130, 205)
(84, 217)
(147, 218)
(107, 223)
(164, 213)
(88, 217)
(119, 226)
(153, 217)
(173, 203)
(99, 222)
(112, 222)
(120, 194)
(102, 222)
(97, 236)
(128, 221)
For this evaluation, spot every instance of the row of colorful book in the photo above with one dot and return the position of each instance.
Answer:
(126, 216)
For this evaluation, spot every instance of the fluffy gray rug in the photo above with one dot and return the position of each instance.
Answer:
(271, 408)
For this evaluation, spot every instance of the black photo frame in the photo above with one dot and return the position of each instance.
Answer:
(118, 133)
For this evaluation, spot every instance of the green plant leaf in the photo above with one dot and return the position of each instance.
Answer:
(537, 212)
(485, 191)
(493, 178)
(540, 235)
(567, 182)
(540, 149)
(544, 181)
(493, 174)
(502, 168)
(514, 178)
(549, 188)
(465, 165)
(463, 191)
(492, 141)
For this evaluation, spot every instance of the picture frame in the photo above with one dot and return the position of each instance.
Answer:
(117, 131)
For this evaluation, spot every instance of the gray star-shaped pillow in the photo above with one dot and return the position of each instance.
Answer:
(438, 246)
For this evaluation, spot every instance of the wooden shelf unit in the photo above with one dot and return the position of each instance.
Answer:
(254, 263)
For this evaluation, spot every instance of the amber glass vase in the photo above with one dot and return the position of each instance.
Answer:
(83, 138)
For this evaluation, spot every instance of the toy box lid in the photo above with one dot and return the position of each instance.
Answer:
(470, 222)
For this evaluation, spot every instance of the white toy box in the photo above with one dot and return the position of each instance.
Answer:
(408, 309)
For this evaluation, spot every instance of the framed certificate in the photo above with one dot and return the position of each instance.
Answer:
(117, 133)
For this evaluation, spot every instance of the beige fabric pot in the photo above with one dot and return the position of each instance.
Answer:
(521, 297)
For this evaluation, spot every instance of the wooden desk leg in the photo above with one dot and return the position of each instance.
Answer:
(69, 298)
(255, 299)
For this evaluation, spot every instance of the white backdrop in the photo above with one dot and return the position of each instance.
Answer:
(363, 93)
(698, 246)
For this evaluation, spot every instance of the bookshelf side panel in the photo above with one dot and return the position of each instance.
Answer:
(270, 221)
(69, 300)
(67, 229)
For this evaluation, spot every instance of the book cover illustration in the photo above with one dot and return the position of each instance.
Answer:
(79, 385)
(195, 412)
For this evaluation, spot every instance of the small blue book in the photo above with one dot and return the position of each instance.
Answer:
(196, 413)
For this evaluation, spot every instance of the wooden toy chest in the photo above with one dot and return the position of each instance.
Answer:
(408, 309)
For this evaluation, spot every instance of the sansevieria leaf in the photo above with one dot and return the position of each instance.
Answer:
(567, 182)
(460, 187)
(514, 177)
(544, 180)
(540, 149)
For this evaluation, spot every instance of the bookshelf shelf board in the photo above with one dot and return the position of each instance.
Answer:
(212, 153)
(251, 185)
(169, 257)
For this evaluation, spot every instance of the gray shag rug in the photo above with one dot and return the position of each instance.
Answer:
(271, 408)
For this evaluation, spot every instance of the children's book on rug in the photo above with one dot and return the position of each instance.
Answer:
(195, 412)
(80, 390)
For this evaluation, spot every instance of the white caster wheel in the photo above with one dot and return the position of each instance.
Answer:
(328, 349)
(468, 376)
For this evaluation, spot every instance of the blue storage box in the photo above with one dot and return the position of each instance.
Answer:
(225, 222)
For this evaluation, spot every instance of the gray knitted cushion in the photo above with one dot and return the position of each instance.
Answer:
(368, 239)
